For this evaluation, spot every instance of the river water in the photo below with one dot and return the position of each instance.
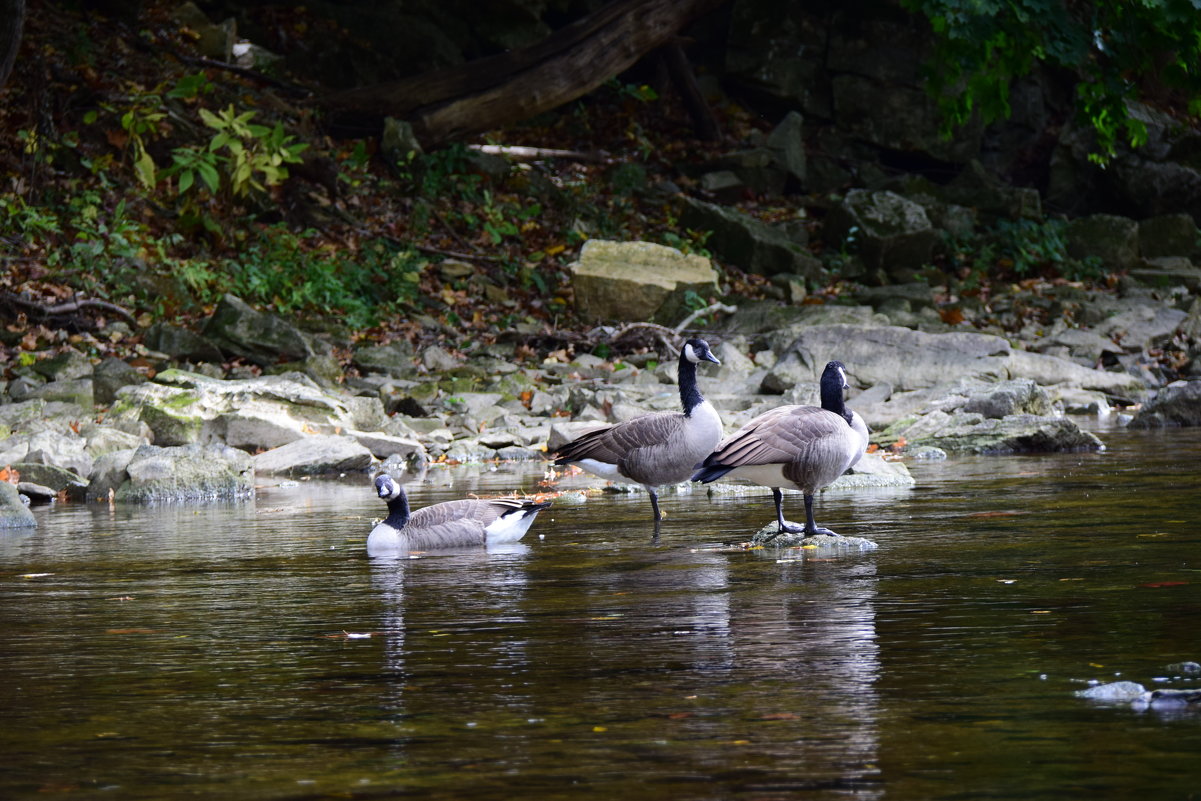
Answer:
(254, 651)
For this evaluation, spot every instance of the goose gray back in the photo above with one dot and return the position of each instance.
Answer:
(805, 447)
(451, 524)
(654, 450)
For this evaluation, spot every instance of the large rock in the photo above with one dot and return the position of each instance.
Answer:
(186, 473)
(395, 358)
(252, 414)
(638, 281)
(48, 448)
(13, 511)
(108, 474)
(1110, 239)
(1142, 327)
(180, 343)
(67, 390)
(265, 339)
(901, 357)
(50, 480)
(109, 376)
(1177, 404)
(890, 233)
(1167, 235)
(1052, 371)
(748, 243)
(315, 456)
(64, 366)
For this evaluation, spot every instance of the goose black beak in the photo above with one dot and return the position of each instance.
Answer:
(709, 357)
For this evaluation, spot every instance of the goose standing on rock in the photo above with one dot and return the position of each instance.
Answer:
(451, 524)
(800, 446)
(654, 450)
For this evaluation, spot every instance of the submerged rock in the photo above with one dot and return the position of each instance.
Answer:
(770, 535)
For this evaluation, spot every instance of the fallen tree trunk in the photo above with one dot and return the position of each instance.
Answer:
(507, 88)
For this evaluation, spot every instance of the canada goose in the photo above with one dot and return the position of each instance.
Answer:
(802, 446)
(452, 524)
(655, 449)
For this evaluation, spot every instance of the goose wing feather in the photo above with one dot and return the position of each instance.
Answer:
(782, 435)
(613, 444)
(456, 523)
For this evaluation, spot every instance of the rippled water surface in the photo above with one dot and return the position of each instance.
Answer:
(255, 652)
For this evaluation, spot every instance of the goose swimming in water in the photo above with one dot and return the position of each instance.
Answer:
(451, 524)
(654, 450)
(806, 447)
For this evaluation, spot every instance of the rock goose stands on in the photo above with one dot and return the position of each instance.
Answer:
(654, 450)
(805, 447)
(452, 524)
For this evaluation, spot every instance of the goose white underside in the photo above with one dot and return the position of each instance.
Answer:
(509, 528)
(765, 475)
(383, 540)
(386, 540)
(603, 470)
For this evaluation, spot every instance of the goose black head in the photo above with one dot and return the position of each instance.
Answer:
(696, 350)
(387, 488)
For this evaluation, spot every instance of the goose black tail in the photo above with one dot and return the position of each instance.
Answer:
(710, 472)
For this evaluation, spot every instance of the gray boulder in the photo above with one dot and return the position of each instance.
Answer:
(180, 343)
(53, 479)
(13, 511)
(1107, 237)
(1052, 371)
(315, 456)
(108, 474)
(67, 390)
(891, 234)
(64, 366)
(787, 146)
(186, 473)
(1019, 396)
(748, 243)
(1177, 404)
(109, 376)
(394, 358)
(1167, 235)
(901, 357)
(1168, 271)
(47, 447)
(1142, 327)
(265, 339)
(265, 412)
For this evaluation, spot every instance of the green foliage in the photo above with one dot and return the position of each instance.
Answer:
(141, 121)
(1119, 50)
(253, 155)
(1020, 249)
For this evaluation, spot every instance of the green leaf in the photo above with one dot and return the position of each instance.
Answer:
(185, 181)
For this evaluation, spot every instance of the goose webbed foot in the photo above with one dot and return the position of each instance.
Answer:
(816, 530)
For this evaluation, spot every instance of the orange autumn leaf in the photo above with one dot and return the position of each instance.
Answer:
(951, 316)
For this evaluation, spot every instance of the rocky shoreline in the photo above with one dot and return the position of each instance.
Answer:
(173, 426)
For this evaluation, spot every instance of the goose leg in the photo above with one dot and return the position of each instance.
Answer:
(812, 528)
(655, 506)
(778, 497)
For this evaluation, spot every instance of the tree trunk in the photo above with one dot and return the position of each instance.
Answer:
(12, 19)
(507, 88)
